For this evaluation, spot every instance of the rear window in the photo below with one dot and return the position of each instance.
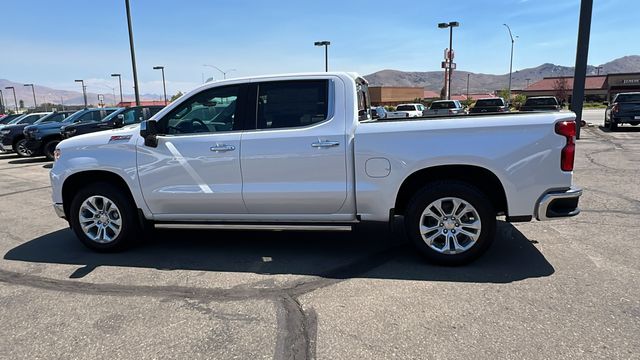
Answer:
(541, 101)
(284, 104)
(489, 102)
(406, 108)
(443, 105)
(628, 98)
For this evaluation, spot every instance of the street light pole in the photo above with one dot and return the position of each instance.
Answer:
(15, 99)
(326, 52)
(468, 76)
(133, 55)
(511, 61)
(224, 73)
(35, 105)
(164, 87)
(120, 83)
(449, 25)
(84, 92)
(598, 68)
(2, 102)
(528, 80)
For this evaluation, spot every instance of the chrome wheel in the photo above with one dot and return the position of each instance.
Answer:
(100, 219)
(450, 225)
(22, 150)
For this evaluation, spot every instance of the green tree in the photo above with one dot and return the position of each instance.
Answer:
(504, 93)
(176, 96)
(518, 100)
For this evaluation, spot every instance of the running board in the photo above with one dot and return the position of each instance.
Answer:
(300, 227)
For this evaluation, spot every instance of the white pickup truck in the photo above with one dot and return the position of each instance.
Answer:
(295, 151)
(406, 110)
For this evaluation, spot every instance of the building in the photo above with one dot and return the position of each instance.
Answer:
(597, 88)
(142, 103)
(394, 95)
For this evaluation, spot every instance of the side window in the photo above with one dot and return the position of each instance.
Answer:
(132, 116)
(86, 117)
(30, 119)
(284, 104)
(211, 110)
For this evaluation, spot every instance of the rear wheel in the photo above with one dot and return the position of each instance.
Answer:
(451, 223)
(21, 149)
(49, 148)
(103, 218)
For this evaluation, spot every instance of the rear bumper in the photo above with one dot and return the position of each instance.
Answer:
(625, 118)
(558, 204)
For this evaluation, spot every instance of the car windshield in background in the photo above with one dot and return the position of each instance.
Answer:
(541, 101)
(405, 108)
(73, 116)
(16, 120)
(489, 102)
(114, 114)
(54, 117)
(443, 105)
(628, 98)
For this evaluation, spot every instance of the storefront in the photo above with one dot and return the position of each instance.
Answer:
(597, 88)
(392, 95)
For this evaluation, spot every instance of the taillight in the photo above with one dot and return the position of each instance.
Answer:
(567, 155)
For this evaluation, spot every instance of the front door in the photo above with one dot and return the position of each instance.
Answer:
(195, 169)
(294, 162)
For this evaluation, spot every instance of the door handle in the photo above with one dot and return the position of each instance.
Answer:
(222, 148)
(325, 144)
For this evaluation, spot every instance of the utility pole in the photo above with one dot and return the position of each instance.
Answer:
(15, 100)
(468, 76)
(164, 87)
(1, 102)
(133, 55)
(511, 61)
(84, 92)
(326, 52)
(35, 104)
(120, 83)
(582, 53)
(528, 80)
(449, 56)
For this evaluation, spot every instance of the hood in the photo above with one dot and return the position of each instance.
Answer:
(47, 125)
(13, 127)
(116, 136)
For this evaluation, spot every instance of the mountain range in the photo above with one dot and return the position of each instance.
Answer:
(430, 80)
(482, 83)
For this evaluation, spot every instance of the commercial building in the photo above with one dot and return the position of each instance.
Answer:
(394, 95)
(597, 88)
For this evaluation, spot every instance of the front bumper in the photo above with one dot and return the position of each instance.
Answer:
(59, 209)
(558, 204)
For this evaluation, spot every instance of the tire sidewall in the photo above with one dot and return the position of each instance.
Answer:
(435, 191)
(130, 227)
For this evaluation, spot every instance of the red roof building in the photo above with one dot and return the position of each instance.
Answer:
(597, 88)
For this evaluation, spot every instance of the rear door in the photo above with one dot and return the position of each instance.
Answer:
(294, 159)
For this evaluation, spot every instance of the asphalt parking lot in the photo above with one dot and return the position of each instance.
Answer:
(562, 289)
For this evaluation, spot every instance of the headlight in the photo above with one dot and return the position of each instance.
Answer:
(56, 154)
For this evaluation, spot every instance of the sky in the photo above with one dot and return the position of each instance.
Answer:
(51, 45)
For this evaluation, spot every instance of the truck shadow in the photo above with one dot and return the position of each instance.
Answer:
(366, 253)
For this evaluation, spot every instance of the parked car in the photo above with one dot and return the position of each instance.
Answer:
(6, 119)
(490, 105)
(444, 107)
(378, 112)
(541, 103)
(43, 138)
(118, 118)
(12, 136)
(406, 110)
(311, 155)
(624, 108)
(24, 119)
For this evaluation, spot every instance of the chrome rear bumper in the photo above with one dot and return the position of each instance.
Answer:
(558, 204)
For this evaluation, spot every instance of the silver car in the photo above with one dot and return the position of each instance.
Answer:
(444, 107)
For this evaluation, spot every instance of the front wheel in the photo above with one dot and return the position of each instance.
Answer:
(21, 149)
(50, 148)
(103, 218)
(451, 223)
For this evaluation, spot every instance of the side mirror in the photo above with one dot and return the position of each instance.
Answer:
(149, 131)
(118, 122)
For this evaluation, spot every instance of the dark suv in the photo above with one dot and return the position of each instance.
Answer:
(624, 108)
(489, 105)
(43, 138)
(12, 136)
(118, 118)
(541, 103)
(7, 119)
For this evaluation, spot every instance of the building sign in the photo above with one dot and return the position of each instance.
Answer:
(631, 81)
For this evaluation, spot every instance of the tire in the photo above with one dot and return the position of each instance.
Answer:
(470, 242)
(20, 148)
(613, 126)
(123, 229)
(49, 148)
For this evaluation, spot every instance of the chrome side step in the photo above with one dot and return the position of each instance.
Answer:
(288, 227)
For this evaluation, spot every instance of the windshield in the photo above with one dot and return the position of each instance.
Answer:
(73, 116)
(490, 102)
(443, 105)
(114, 114)
(53, 117)
(628, 98)
(405, 108)
(541, 101)
(17, 119)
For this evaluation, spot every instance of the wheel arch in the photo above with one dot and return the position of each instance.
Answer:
(80, 179)
(485, 180)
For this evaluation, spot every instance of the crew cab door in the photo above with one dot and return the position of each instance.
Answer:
(294, 159)
(195, 169)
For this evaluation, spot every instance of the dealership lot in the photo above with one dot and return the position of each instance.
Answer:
(564, 289)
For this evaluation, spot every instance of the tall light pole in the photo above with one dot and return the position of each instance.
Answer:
(468, 76)
(2, 102)
(15, 99)
(582, 53)
(35, 105)
(224, 73)
(164, 87)
(326, 52)
(449, 25)
(120, 83)
(528, 80)
(511, 61)
(84, 92)
(598, 68)
(133, 55)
